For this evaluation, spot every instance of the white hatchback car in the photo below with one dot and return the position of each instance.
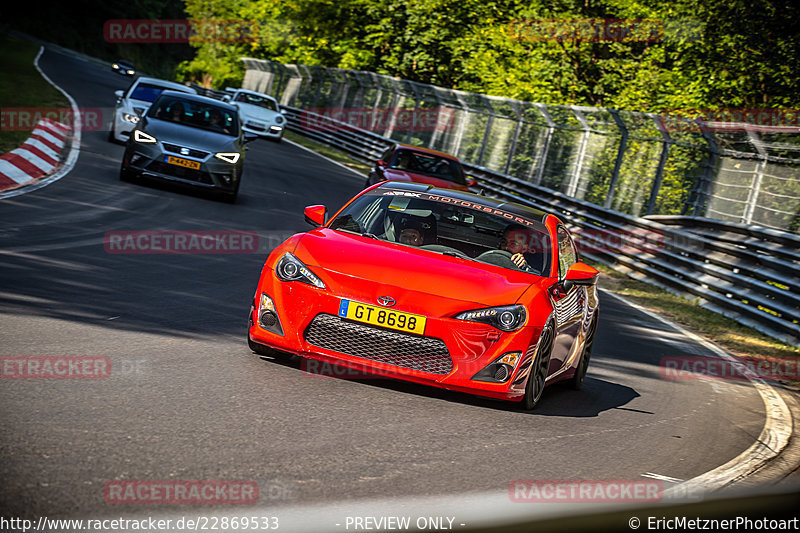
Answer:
(134, 102)
(260, 113)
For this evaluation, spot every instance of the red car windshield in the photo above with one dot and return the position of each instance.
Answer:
(429, 165)
(457, 228)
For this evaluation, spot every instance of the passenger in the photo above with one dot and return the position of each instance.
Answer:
(176, 112)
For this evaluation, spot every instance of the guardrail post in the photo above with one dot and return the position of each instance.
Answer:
(551, 126)
(513, 148)
(752, 199)
(703, 187)
(662, 161)
(623, 144)
(572, 186)
(488, 130)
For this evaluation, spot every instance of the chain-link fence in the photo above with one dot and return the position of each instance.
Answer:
(635, 163)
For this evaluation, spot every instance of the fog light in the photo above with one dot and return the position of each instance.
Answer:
(499, 370)
(268, 315)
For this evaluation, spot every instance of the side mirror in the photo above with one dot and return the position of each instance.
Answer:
(119, 93)
(580, 274)
(472, 183)
(381, 163)
(316, 215)
(248, 137)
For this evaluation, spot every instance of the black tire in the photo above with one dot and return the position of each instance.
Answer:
(259, 349)
(125, 174)
(541, 362)
(580, 373)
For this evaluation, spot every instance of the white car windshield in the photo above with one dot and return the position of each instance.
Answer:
(260, 101)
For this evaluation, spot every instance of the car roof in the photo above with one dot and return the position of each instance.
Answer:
(535, 215)
(200, 99)
(424, 150)
(165, 83)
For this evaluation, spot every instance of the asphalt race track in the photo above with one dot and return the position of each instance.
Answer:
(187, 400)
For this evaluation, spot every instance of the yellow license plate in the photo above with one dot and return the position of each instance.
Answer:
(380, 316)
(183, 162)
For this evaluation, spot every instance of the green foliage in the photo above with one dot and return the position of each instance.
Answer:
(704, 55)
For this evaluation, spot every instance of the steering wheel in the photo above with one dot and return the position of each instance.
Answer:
(444, 249)
(501, 258)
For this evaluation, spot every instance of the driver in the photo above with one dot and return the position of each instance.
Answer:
(517, 240)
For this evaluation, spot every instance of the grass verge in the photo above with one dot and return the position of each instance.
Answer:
(21, 85)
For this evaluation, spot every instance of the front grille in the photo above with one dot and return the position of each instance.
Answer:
(383, 345)
(175, 149)
(180, 172)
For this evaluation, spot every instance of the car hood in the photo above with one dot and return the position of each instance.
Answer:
(393, 174)
(255, 112)
(366, 268)
(189, 136)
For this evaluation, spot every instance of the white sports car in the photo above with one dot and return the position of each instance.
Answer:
(135, 101)
(260, 113)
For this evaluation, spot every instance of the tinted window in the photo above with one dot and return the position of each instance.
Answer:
(436, 224)
(428, 164)
(260, 101)
(202, 115)
(146, 92)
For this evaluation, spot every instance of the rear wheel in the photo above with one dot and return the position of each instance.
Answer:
(580, 373)
(539, 368)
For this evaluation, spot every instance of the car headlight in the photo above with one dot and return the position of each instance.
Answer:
(127, 117)
(290, 268)
(505, 318)
(142, 137)
(228, 157)
(115, 66)
(131, 72)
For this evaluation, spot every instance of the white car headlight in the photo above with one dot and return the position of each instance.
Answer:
(228, 157)
(142, 137)
(127, 117)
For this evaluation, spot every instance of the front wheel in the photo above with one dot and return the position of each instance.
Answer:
(539, 369)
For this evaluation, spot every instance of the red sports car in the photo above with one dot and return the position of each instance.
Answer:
(435, 286)
(414, 164)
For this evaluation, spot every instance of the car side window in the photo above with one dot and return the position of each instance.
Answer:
(386, 155)
(567, 256)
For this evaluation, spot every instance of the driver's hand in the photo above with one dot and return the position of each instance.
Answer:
(519, 260)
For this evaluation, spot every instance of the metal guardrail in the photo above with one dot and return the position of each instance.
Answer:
(749, 274)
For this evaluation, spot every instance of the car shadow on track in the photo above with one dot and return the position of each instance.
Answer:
(596, 396)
